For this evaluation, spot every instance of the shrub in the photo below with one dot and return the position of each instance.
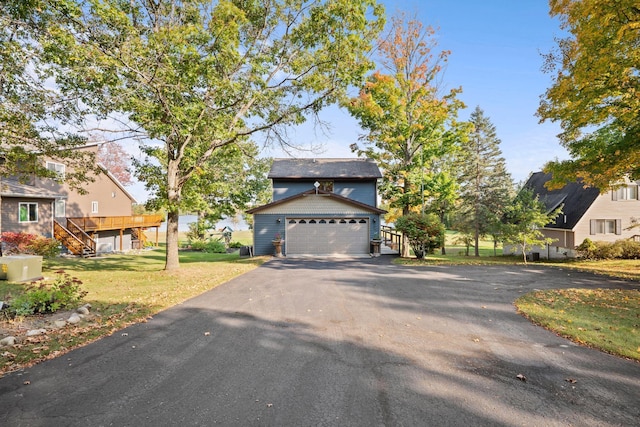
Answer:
(606, 250)
(208, 245)
(48, 248)
(586, 249)
(236, 245)
(43, 297)
(424, 231)
(26, 243)
(16, 243)
(628, 248)
(625, 249)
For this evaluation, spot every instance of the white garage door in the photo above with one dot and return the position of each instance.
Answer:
(327, 236)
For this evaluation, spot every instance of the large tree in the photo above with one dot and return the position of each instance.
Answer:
(410, 123)
(486, 187)
(193, 76)
(595, 93)
(36, 121)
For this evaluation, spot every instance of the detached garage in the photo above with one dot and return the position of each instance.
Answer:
(321, 207)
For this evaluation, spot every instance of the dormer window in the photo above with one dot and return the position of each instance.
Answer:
(58, 168)
(326, 186)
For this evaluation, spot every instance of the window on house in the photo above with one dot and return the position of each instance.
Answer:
(94, 207)
(28, 212)
(628, 192)
(58, 168)
(326, 186)
(606, 226)
(60, 209)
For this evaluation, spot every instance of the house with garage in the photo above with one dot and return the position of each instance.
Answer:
(586, 213)
(320, 207)
(99, 220)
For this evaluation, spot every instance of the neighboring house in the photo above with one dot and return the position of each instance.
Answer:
(586, 213)
(100, 220)
(25, 208)
(320, 207)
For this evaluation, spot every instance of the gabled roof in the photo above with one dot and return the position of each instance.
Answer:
(116, 182)
(334, 196)
(11, 188)
(574, 196)
(324, 169)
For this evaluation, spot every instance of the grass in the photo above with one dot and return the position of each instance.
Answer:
(123, 289)
(607, 319)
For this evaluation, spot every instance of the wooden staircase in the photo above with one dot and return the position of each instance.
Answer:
(74, 239)
(139, 235)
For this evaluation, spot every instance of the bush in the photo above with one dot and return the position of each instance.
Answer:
(624, 249)
(424, 231)
(43, 297)
(586, 249)
(26, 243)
(208, 245)
(236, 245)
(629, 249)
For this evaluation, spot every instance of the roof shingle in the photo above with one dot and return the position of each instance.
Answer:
(324, 169)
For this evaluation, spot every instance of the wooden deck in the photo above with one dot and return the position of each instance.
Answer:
(103, 223)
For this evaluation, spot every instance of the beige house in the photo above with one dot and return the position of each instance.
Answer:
(100, 220)
(586, 213)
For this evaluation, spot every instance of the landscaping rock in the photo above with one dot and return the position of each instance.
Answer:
(34, 332)
(83, 310)
(8, 341)
(60, 323)
(74, 318)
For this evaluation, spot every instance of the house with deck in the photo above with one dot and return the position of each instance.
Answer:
(100, 220)
(586, 213)
(320, 207)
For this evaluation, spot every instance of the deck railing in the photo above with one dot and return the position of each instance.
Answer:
(102, 223)
(391, 238)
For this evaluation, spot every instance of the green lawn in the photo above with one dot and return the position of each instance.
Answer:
(123, 289)
(607, 319)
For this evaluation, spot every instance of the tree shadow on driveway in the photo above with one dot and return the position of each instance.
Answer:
(318, 344)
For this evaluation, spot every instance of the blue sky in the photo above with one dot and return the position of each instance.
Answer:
(496, 48)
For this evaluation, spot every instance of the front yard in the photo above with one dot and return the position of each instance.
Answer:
(124, 289)
(121, 289)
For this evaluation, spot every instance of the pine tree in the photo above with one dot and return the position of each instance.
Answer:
(485, 184)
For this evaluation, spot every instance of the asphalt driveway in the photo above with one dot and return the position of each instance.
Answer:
(338, 343)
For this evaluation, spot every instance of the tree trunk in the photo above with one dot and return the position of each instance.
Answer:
(405, 241)
(172, 259)
(476, 240)
(173, 213)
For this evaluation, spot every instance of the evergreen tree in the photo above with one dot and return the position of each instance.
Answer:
(485, 185)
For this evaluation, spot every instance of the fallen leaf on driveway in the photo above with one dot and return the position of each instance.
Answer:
(521, 378)
(571, 380)
(206, 334)
(27, 382)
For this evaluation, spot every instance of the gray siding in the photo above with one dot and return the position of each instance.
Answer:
(266, 226)
(363, 192)
(360, 191)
